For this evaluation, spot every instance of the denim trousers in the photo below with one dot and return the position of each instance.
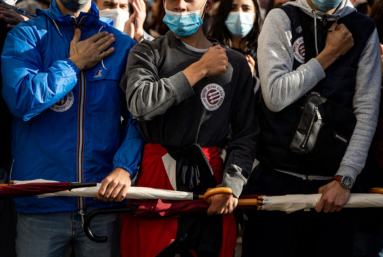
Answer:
(50, 234)
(299, 234)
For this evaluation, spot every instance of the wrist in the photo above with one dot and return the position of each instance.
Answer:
(331, 53)
(327, 57)
(77, 61)
(139, 36)
(201, 69)
(345, 181)
(195, 73)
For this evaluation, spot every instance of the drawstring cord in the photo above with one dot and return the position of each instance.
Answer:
(102, 61)
(315, 32)
(315, 28)
(77, 25)
(57, 27)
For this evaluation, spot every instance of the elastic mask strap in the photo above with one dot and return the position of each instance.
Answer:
(203, 15)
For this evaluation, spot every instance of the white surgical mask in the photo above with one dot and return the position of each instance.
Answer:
(10, 2)
(239, 23)
(184, 24)
(118, 16)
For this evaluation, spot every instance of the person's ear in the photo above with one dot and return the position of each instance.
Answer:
(208, 6)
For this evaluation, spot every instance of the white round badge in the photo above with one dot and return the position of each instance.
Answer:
(64, 104)
(212, 96)
(299, 50)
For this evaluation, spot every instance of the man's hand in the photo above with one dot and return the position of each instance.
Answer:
(115, 186)
(86, 54)
(251, 62)
(134, 27)
(222, 204)
(129, 26)
(338, 42)
(140, 16)
(10, 16)
(334, 197)
(213, 63)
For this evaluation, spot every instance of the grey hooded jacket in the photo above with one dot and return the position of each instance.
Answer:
(282, 86)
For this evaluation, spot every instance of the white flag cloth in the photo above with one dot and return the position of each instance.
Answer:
(287, 203)
(292, 203)
(143, 193)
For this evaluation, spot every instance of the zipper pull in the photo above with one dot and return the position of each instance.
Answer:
(82, 213)
(318, 113)
(324, 20)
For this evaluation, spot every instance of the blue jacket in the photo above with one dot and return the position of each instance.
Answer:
(67, 124)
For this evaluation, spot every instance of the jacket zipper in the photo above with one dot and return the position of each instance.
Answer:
(319, 116)
(81, 130)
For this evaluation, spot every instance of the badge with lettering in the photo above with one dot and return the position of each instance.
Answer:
(212, 96)
(299, 50)
(64, 104)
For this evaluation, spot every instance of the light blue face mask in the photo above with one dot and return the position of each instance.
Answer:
(326, 5)
(183, 24)
(239, 23)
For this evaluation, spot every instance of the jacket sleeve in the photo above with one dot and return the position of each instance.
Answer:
(28, 89)
(146, 93)
(281, 85)
(366, 108)
(129, 154)
(243, 138)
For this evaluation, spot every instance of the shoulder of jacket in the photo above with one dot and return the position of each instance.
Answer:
(279, 17)
(362, 19)
(32, 28)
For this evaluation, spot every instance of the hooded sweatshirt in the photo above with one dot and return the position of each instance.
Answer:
(282, 86)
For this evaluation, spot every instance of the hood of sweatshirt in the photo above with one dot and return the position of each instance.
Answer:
(343, 10)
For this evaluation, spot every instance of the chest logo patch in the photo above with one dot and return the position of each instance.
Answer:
(64, 104)
(212, 96)
(299, 50)
(98, 74)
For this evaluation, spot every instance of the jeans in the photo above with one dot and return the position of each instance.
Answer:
(299, 234)
(50, 234)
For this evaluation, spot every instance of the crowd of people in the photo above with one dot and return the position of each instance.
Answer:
(262, 97)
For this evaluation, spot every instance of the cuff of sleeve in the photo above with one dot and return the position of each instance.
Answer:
(233, 179)
(316, 68)
(73, 66)
(181, 86)
(347, 171)
(124, 166)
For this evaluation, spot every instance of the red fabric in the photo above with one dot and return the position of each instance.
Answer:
(154, 209)
(32, 189)
(148, 237)
(160, 209)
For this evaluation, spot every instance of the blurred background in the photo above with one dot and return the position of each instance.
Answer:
(155, 11)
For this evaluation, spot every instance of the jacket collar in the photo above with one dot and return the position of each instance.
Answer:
(54, 13)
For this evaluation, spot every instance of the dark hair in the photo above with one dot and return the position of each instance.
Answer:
(270, 6)
(157, 23)
(377, 15)
(362, 8)
(219, 31)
